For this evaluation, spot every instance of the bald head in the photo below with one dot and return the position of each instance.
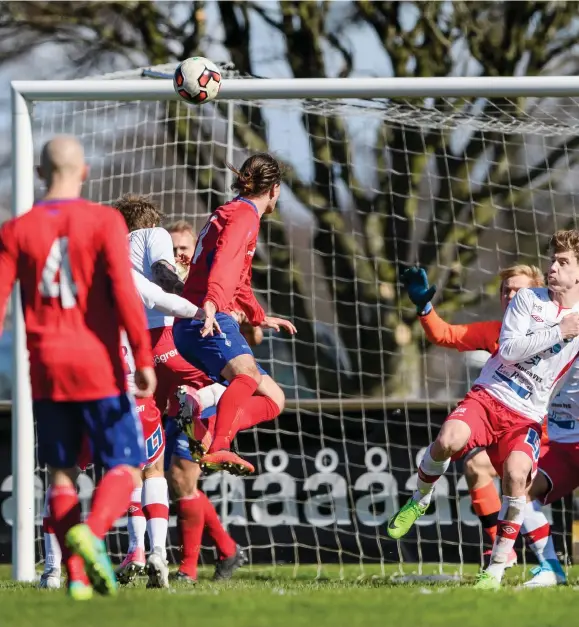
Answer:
(63, 158)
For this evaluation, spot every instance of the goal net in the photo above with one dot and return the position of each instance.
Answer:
(463, 186)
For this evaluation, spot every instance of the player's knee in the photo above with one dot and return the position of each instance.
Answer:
(452, 438)
(154, 470)
(182, 477)
(516, 473)
(278, 397)
(478, 470)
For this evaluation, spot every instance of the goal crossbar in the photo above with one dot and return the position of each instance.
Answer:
(282, 88)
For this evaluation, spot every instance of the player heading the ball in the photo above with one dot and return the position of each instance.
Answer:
(220, 281)
(72, 259)
(504, 410)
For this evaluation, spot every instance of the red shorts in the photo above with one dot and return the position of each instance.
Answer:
(559, 462)
(153, 435)
(172, 370)
(496, 428)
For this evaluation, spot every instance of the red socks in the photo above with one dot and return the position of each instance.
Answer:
(487, 504)
(65, 513)
(256, 410)
(225, 544)
(111, 500)
(238, 392)
(191, 518)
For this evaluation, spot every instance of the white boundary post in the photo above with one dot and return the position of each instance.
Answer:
(228, 194)
(23, 441)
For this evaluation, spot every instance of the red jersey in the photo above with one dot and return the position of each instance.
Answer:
(220, 269)
(72, 260)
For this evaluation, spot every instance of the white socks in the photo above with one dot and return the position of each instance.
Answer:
(136, 525)
(429, 472)
(511, 518)
(155, 501)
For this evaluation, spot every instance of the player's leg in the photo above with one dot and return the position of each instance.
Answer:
(230, 556)
(117, 442)
(50, 578)
(196, 512)
(516, 454)
(225, 356)
(60, 432)
(156, 508)
(558, 476)
(464, 429)
(183, 475)
(134, 561)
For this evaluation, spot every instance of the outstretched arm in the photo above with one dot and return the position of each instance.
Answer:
(463, 337)
(154, 297)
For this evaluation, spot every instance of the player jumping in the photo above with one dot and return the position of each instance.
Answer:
(478, 469)
(152, 256)
(76, 297)
(503, 411)
(220, 281)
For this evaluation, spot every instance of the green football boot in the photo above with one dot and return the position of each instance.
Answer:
(401, 523)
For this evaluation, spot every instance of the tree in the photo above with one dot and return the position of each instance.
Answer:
(367, 242)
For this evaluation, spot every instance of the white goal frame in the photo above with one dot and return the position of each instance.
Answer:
(23, 96)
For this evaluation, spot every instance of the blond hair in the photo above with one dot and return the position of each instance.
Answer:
(181, 226)
(532, 272)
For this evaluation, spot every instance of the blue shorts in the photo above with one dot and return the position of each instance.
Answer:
(111, 424)
(176, 442)
(212, 353)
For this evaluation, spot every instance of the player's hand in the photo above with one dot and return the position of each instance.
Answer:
(419, 292)
(277, 324)
(570, 325)
(211, 325)
(146, 381)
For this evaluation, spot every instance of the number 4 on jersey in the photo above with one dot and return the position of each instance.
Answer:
(58, 262)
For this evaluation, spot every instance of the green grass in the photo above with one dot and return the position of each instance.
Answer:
(266, 597)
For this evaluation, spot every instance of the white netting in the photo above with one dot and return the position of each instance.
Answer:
(462, 187)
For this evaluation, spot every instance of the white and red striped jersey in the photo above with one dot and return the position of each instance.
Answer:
(532, 356)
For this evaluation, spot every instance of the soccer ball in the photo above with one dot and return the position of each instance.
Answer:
(197, 80)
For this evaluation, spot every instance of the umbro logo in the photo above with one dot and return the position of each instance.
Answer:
(537, 318)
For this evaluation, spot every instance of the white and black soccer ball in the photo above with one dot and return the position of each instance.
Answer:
(197, 80)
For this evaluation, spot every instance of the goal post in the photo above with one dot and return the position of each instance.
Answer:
(27, 94)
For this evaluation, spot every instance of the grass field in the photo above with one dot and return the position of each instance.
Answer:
(267, 598)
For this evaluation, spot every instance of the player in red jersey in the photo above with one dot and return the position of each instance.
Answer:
(478, 469)
(71, 259)
(220, 281)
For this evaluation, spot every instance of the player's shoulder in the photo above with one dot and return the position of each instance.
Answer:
(533, 295)
(237, 208)
(149, 235)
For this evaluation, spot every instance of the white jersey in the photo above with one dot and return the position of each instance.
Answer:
(532, 355)
(148, 246)
(154, 296)
(563, 416)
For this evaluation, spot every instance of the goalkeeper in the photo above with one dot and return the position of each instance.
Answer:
(478, 470)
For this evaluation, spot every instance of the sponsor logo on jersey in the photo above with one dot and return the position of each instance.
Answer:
(140, 408)
(510, 530)
(537, 318)
(163, 358)
(250, 253)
